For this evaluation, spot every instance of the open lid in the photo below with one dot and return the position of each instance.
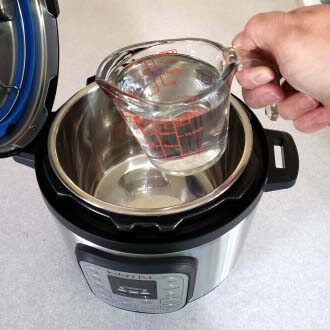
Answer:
(29, 64)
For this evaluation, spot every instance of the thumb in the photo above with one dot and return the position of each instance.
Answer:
(262, 31)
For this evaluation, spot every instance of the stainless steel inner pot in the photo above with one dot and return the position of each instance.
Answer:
(96, 157)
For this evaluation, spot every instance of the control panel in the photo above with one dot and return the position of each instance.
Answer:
(142, 283)
(150, 293)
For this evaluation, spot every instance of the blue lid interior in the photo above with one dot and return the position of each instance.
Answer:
(25, 34)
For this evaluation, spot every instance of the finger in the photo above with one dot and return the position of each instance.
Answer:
(254, 77)
(262, 31)
(296, 105)
(263, 95)
(242, 41)
(314, 120)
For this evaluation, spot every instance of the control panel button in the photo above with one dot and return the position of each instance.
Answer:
(173, 286)
(172, 292)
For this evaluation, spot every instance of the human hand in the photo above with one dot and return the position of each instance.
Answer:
(297, 46)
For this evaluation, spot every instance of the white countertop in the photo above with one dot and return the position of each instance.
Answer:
(282, 280)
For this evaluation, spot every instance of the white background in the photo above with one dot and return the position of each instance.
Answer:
(283, 278)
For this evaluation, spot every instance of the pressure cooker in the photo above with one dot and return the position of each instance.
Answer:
(144, 241)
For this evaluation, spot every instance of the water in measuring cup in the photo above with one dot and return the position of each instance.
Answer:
(178, 139)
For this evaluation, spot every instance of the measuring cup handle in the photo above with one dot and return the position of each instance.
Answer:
(281, 178)
(271, 110)
(249, 59)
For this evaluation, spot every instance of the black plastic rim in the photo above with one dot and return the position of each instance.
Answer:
(90, 224)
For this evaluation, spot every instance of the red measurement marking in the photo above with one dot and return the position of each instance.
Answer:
(151, 76)
(158, 72)
(166, 133)
(148, 133)
(164, 53)
(138, 120)
(191, 152)
(167, 52)
(164, 62)
(170, 145)
(188, 116)
(163, 125)
(195, 131)
(194, 99)
(178, 139)
(159, 140)
(173, 71)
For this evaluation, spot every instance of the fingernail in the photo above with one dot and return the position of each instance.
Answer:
(307, 102)
(270, 97)
(262, 78)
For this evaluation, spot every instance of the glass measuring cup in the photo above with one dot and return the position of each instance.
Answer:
(174, 96)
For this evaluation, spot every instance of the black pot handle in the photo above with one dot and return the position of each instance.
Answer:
(281, 178)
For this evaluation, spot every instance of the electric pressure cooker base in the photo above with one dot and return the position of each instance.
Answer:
(151, 258)
(148, 267)
(156, 283)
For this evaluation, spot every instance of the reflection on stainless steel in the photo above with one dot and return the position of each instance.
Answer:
(215, 259)
(7, 10)
(94, 154)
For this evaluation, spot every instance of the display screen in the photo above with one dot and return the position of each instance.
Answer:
(139, 289)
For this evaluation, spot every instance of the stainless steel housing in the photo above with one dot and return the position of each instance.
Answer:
(96, 157)
(215, 259)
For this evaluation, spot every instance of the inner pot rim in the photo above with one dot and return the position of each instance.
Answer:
(78, 192)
